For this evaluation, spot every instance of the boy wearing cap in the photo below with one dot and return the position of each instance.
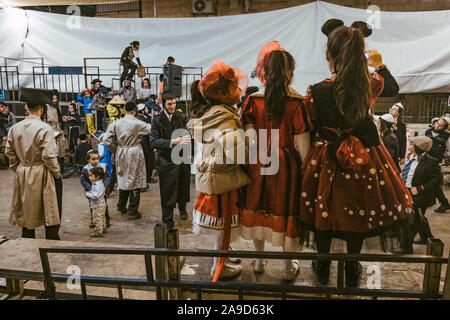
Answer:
(421, 175)
(99, 104)
(441, 143)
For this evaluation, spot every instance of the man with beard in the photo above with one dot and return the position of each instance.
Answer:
(128, 93)
(174, 179)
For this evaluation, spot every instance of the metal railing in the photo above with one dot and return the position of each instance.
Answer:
(431, 282)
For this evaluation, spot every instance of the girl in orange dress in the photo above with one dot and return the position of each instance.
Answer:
(271, 210)
(351, 187)
(219, 174)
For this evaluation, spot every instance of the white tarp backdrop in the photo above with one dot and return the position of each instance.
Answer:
(415, 45)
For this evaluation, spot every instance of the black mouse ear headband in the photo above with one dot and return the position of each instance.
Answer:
(332, 24)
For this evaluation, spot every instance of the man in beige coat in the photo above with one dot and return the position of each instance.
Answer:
(125, 136)
(31, 149)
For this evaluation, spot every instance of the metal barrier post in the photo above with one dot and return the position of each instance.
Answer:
(160, 261)
(173, 263)
(446, 292)
(432, 273)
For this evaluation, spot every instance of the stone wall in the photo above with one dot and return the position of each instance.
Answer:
(183, 8)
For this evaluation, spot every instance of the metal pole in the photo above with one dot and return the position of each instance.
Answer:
(432, 273)
(85, 74)
(173, 263)
(160, 261)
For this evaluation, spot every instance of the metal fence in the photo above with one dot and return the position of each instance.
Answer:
(433, 263)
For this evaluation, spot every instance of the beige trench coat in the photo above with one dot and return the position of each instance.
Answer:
(31, 149)
(126, 135)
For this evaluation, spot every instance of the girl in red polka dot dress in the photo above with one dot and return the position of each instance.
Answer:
(351, 188)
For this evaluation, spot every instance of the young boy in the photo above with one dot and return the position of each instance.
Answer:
(97, 201)
(93, 162)
(81, 151)
(422, 175)
(73, 121)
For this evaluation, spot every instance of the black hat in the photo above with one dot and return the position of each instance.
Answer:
(36, 97)
(135, 43)
(330, 25)
(363, 27)
(96, 80)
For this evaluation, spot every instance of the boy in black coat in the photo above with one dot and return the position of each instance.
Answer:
(425, 178)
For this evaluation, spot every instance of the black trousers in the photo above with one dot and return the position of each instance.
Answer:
(439, 194)
(174, 186)
(148, 163)
(74, 133)
(129, 69)
(100, 119)
(134, 196)
(323, 243)
(51, 232)
(167, 214)
(417, 224)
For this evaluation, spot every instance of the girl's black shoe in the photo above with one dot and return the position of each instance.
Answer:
(353, 273)
(322, 269)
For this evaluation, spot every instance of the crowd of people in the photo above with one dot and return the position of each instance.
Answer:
(341, 171)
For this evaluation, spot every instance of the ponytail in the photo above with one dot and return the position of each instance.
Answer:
(352, 89)
(278, 72)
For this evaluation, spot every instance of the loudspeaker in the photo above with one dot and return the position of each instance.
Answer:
(173, 79)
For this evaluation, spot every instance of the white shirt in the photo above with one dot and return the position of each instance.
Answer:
(97, 195)
(411, 172)
(169, 116)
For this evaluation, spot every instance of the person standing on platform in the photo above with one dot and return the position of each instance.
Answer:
(271, 210)
(37, 195)
(219, 174)
(129, 66)
(124, 138)
(174, 179)
(441, 143)
(86, 97)
(144, 93)
(351, 188)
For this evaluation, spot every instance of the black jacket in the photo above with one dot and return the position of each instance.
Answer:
(81, 153)
(426, 179)
(128, 56)
(439, 143)
(145, 143)
(162, 130)
(391, 144)
(401, 138)
(390, 88)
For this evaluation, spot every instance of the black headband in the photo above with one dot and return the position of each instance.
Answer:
(332, 24)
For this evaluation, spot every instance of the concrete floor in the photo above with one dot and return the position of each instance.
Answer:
(140, 232)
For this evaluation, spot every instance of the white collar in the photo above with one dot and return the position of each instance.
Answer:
(169, 116)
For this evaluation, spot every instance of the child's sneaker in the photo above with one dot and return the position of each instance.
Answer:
(96, 235)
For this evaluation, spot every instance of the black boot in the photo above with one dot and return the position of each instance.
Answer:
(322, 269)
(353, 273)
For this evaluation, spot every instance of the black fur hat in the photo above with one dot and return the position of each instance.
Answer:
(36, 97)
